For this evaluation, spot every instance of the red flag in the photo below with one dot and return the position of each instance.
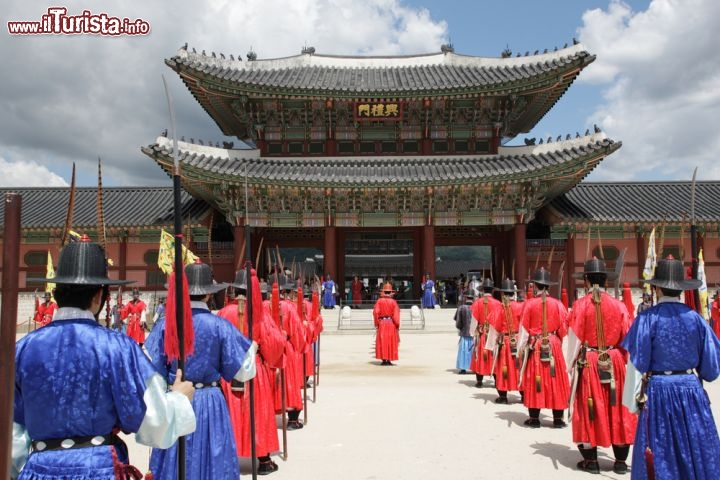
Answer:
(315, 306)
(689, 294)
(275, 303)
(36, 317)
(258, 314)
(627, 300)
(172, 345)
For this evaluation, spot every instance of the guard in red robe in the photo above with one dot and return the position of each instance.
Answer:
(271, 346)
(543, 377)
(134, 312)
(45, 311)
(482, 308)
(715, 314)
(356, 287)
(597, 323)
(386, 315)
(502, 340)
(292, 324)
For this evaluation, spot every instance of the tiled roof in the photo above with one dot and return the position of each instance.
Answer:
(46, 207)
(400, 74)
(638, 202)
(571, 158)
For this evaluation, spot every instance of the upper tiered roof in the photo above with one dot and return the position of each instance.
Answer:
(344, 76)
(514, 92)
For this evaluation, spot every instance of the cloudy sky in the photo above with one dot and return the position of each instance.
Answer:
(655, 85)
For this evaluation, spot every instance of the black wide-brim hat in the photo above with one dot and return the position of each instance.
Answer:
(670, 274)
(240, 280)
(200, 282)
(507, 286)
(81, 263)
(542, 277)
(595, 266)
(284, 283)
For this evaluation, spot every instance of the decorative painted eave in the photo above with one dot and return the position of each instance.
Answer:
(355, 76)
(563, 164)
(45, 208)
(642, 204)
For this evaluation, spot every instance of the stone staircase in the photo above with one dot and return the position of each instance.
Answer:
(359, 321)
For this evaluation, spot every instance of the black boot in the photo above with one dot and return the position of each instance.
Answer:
(558, 421)
(589, 463)
(502, 397)
(293, 420)
(533, 420)
(478, 380)
(621, 454)
(266, 466)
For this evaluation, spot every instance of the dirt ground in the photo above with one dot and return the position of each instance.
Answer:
(418, 420)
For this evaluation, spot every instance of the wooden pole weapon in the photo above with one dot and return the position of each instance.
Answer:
(179, 315)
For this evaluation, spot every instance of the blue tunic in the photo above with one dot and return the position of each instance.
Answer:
(677, 423)
(428, 297)
(76, 378)
(328, 299)
(219, 352)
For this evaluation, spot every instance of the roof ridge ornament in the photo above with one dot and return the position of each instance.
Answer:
(308, 50)
(251, 55)
(447, 48)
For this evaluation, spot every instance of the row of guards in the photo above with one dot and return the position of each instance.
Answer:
(83, 271)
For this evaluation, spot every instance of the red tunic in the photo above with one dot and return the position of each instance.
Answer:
(505, 320)
(311, 332)
(357, 288)
(542, 388)
(715, 314)
(133, 310)
(386, 315)
(44, 313)
(294, 348)
(482, 309)
(612, 424)
(271, 345)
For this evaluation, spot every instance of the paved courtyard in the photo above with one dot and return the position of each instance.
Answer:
(418, 420)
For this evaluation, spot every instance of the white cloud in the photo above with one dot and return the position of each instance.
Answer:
(74, 98)
(661, 72)
(27, 174)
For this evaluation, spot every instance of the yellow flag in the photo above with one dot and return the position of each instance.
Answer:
(702, 290)
(166, 254)
(49, 287)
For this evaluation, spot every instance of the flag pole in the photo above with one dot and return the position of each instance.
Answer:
(693, 243)
(179, 315)
(249, 296)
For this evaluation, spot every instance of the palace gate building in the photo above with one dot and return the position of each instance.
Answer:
(376, 162)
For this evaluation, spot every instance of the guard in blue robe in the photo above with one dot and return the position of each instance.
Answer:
(675, 350)
(78, 383)
(221, 351)
(428, 294)
(328, 298)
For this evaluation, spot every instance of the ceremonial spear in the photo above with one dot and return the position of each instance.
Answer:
(693, 243)
(179, 314)
(249, 296)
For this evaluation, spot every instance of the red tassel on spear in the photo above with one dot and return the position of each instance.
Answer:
(172, 344)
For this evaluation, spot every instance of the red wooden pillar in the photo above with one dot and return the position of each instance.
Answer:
(239, 241)
(641, 246)
(568, 280)
(330, 252)
(428, 251)
(122, 268)
(520, 256)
